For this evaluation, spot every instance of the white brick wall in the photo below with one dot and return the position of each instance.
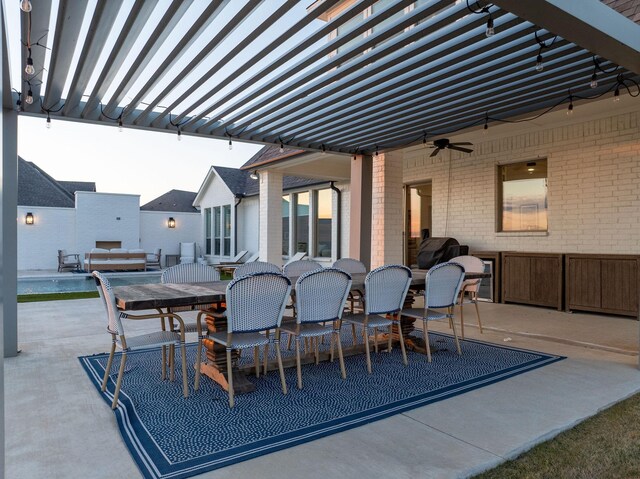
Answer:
(154, 232)
(593, 190)
(271, 217)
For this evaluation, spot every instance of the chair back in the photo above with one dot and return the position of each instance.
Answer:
(109, 302)
(154, 257)
(386, 288)
(298, 268)
(321, 295)
(471, 264)
(255, 267)
(350, 265)
(256, 302)
(187, 252)
(61, 254)
(190, 273)
(443, 284)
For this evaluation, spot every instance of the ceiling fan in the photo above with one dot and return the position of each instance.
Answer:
(443, 143)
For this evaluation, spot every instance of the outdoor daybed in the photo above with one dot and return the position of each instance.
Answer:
(116, 259)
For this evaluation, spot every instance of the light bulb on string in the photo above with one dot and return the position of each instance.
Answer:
(120, 128)
(539, 65)
(29, 70)
(25, 5)
(485, 129)
(594, 81)
(281, 150)
(570, 108)
(179, 134)
(616, 95)
(29, 99)
(490, 30)
(324, 150)
(230, 144)
(48, 121)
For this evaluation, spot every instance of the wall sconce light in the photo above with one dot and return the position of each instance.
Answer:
(171, 223)
(531, 166)
(28, 219)
(254, 175)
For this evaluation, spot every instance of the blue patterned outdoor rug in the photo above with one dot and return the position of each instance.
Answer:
(173, 437)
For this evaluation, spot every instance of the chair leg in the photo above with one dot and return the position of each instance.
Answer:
(353, 333)
(331, 347)
(402, 347)
(375, 339)
(230, 377)
(172, 362)
(164, 363)
(196, 383)
(266, 354)
(390, 340)
(343, 371)
(461, 316)
(108, 368)
(280, 368)
(365, 333)
(298, 366)
(123, 360)
(475, 301)
(256, 360)
(316, 340)
(289, 342)
(185, 383)
(425, 329)
(455, 335)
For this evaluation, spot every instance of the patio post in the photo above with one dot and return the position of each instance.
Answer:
(386, 209)
(360, 210)
(270, 245)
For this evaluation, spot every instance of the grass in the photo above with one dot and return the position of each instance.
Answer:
(606, 446)
(32, 298)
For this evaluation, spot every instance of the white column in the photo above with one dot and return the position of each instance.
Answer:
(360, 210)
(386, 209)
(271, 217)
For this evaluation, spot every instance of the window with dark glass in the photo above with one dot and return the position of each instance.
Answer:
(286, 199)
(227, 230)
(523, 196)
(216, 230)
(302, 222)
(207, 230)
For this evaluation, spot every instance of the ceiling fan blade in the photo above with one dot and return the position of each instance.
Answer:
(435, 152)
(462, 143)
(457, 148)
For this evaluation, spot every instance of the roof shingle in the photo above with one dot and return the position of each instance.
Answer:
(177, 201)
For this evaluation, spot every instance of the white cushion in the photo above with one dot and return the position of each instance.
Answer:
(136, 250)
(99, 250)
(118, 250)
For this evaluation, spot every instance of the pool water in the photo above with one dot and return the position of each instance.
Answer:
(80, 283)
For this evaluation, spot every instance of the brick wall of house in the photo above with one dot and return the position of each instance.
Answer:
(593, 185)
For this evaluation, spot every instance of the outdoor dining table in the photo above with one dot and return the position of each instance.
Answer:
(164, 296)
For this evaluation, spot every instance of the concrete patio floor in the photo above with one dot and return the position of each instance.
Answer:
(58, 426)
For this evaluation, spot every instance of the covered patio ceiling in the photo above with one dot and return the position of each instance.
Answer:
(273, 72)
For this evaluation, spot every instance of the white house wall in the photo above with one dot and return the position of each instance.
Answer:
(593, 169)
(154, 232)
(248, 228)
(38, 244)
(107, 217)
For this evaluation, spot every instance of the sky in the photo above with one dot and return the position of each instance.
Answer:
(134, 161)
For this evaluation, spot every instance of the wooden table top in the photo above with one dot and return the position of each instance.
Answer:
(153, 296)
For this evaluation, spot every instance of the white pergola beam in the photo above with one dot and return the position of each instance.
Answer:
(587, 23)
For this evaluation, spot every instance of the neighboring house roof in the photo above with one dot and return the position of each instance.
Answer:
(37, 188)
(270, 154)
(73, 186)
(628, 8)
(177, 201)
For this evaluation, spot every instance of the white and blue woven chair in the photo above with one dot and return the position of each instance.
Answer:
(294, 269)
(193, 273)
(442, 286)
(320, 298)
(255, 304)
(470, 287)
(352, 266)
(131, 343)
(385, 289)
(255, 267)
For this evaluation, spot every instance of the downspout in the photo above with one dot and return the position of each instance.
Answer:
(339, 218)
(239, 197)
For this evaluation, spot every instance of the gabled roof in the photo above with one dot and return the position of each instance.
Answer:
(270, 154)
(73, 186)
(37, 188)
(177, 201)
(235, 179)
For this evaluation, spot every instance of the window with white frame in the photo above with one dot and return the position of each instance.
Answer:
(207, 230)
(307, 223)
(216, 230)
(226, 230)
(522, 196)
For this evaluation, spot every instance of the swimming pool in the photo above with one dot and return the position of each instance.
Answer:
(80, 283)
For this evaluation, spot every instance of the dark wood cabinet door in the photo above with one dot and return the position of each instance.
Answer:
(546, 281)
(619, 292)
(583, 283)
(516, 277)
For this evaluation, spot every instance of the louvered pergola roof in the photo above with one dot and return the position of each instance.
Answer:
(273, 72)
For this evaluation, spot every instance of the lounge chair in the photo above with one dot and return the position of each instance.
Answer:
(68, 261)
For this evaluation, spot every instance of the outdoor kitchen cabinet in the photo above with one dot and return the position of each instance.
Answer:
(532, 278)
(602, 283)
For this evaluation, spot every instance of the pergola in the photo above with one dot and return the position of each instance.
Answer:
(274, 72)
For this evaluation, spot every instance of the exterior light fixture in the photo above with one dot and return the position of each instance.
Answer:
(616, 95)
(25, 5)
(531, 166)
(254, 175)
(28, 219)
(171, 223)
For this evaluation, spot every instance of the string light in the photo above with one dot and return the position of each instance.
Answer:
(230, 143)
(324, 150)
(490, 30)
(480, 10)
(48, 120)
(376, 154)
(179, 134)
(485, 129)
(281, 150)
(25, 6)
(570, 107)
(542, 45)
(19, 102)
(616, 95)
(29, 69)
(594, 80)
(29, 99)
(539, 65)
